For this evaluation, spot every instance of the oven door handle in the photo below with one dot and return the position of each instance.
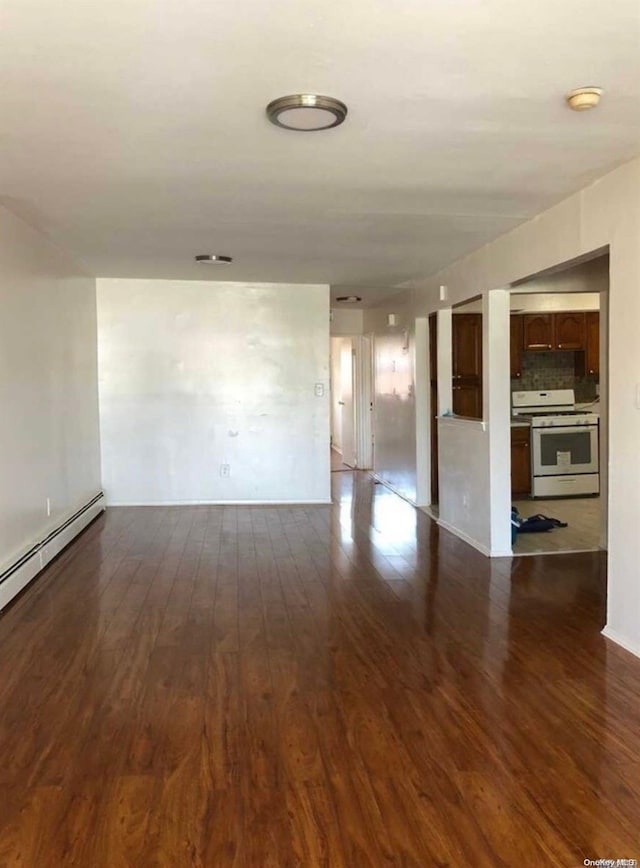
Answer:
(565, 429)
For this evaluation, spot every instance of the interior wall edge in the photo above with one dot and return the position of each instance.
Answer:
(622, 640)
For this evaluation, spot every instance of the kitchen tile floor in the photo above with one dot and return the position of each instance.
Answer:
(582, 515)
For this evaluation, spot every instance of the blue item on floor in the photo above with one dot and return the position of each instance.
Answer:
(516, 521)
(533, 524)
(537, 523)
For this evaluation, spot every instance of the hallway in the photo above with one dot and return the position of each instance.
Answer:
(317, 686)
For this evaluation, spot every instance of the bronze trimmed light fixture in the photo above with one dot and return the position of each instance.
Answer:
(213, 259)
(306, 112)
(349, 299)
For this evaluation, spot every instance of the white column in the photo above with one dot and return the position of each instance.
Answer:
(496, 413)
(422, 378)
(445, 362)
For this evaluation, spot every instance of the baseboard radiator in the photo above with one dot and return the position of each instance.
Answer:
(18, 575)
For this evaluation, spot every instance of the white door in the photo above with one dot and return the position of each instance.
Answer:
(347, 353)
(363, 401)
(336, 394)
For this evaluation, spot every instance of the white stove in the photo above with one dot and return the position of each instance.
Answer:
(564, 443)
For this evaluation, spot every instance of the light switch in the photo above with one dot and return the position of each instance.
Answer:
(319, 390)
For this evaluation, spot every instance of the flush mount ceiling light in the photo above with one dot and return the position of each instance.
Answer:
(306, 112)
(349, 299)
(214, 259)
(583, 98)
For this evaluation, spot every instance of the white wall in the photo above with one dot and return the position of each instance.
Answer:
(49, 434)
(394, 403)
(346, 322)
(555, 301)
(195, 375)
(463, 447)
(475, 499)
(586, 277)
(533, 303)
(607, 213)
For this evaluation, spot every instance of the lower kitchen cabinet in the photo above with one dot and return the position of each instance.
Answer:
(520, 461)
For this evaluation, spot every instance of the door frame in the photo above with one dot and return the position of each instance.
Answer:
(362, 389)
(363, 398)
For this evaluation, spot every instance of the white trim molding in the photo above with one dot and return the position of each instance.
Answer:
(622, 641)
(17, 576)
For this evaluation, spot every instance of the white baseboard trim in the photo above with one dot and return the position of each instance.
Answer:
(464, 537)
(388, 485)
(219, 503)
(632, 647)
(428, 510)
(17, 576)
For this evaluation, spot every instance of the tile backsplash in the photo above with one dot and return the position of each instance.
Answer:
(554, 371)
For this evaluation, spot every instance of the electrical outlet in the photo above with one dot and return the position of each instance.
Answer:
(225, 470)
(319, 390)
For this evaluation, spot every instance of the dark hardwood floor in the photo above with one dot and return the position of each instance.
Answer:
(313, 686)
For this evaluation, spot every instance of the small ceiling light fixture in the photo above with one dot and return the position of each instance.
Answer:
(214, 259)
(306, 112)
(349, 299)
(583, 98)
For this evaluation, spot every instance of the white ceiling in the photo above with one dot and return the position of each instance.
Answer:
(134, 132)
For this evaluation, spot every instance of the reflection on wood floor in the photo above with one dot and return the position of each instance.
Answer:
(339, 685)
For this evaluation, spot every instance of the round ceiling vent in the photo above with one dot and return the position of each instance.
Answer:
(306, 112)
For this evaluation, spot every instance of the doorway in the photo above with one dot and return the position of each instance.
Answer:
(352, 401)
(559, 336)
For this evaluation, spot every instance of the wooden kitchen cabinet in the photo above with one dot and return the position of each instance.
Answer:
(592, 349)
(516, 335)
(569, 330)
(467, 345)
(537, 331)
(466, 341)
(520, 461)
(467, 399)
(543, 332)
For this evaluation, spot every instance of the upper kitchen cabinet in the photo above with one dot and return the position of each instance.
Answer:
(592, 361)
(569, 330)
(537, 331)
(554, 331)
(516, 340)
(466, 341)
